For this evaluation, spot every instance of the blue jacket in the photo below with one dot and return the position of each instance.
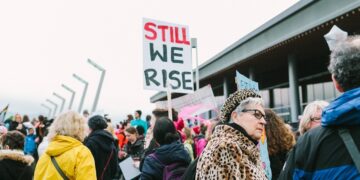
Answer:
(30, 145)
(167, 154)
(139, 122)
(320, 153)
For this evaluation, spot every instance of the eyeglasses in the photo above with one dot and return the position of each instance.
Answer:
(257, 113)
(315, 118)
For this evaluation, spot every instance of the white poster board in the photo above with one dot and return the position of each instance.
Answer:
(167, 56)
(128, 169)
(204, 97)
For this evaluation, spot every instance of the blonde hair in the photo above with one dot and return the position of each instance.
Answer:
(17, 115)
(69, 124)
(310, 110)
(110, 129)
(188, 134)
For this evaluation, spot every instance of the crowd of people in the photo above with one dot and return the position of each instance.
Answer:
(74, 146)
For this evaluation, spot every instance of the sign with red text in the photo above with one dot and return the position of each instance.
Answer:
(167, 56)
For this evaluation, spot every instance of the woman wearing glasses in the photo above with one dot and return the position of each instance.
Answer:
(311, 117)
(232, 153)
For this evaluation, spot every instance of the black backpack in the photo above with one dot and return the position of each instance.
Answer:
(190, 172)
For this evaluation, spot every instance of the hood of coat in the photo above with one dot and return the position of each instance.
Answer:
(16, 155)
(60, 144)
(345, 110)
(174, 152)
(102, 138)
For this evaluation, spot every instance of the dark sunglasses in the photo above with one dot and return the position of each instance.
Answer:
(257, 113)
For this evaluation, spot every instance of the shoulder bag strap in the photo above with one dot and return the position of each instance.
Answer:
(107, 163)
(58, 168)
(350, 146)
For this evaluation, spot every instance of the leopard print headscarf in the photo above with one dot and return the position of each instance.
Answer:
(233, 101)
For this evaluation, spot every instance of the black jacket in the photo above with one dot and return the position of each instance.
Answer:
(13, 126)
(15, 165)
(276, 163)
(135, 150)
(101, 145)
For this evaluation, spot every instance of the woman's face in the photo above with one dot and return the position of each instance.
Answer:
(130, 137)
(18, 118)
(315, 119)
(252, 120)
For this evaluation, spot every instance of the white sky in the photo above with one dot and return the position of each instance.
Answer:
(43, 42)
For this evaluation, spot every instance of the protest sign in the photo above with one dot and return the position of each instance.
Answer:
(203, 99)
(264, 155)
(167, 56)
(128, 169)
(243, 82)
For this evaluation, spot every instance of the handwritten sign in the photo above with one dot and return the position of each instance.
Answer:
(245, 83)
(167, 56)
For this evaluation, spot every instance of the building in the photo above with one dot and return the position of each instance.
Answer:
(288, 56)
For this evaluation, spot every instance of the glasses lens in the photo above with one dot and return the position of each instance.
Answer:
(258, 115)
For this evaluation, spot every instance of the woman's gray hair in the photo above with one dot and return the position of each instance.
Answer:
(249, 101)
(309, 110)
(345, 63)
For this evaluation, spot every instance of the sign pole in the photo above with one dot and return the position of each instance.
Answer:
(169, 101)
(194, 45)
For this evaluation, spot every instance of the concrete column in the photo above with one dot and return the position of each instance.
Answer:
(226, 87)
(251, 74)
(271, 97)
(293, 88)
(304, 96)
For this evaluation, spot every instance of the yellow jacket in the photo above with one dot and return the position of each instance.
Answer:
(74, 159)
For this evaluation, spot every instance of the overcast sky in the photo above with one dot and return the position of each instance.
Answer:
(43, 42)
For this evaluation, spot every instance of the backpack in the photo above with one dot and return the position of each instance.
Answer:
(190, 172)
(173, 170)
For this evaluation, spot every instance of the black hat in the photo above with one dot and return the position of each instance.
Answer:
(97, 122)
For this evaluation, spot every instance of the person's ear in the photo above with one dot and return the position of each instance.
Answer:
(233, 115)
(336, 84)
